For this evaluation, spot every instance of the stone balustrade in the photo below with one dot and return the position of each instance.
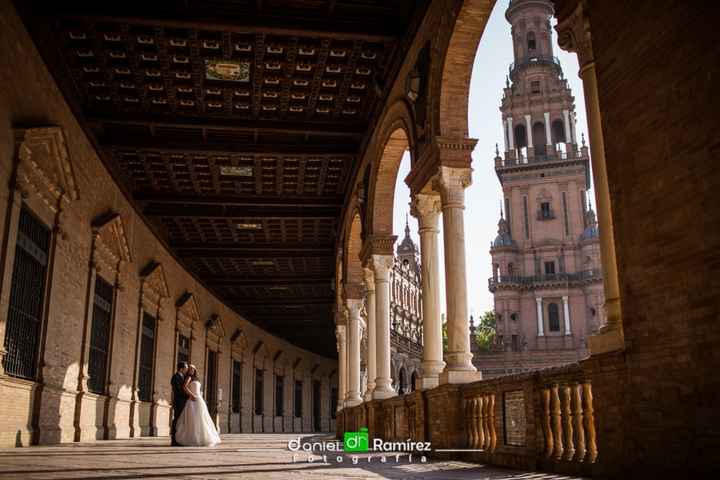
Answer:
(547, 420)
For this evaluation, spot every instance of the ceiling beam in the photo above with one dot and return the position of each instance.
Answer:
(251, 253)
(238, 201)
(191, 209)
(258, 249)
(381, 31)
(173, 146)
(269, 282)
(280, 301)
(300, 126)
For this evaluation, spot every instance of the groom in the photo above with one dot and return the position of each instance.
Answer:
(179, 398)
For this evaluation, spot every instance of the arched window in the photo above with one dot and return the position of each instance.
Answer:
(558, 131)
(496, 269)
(401, 382)
(511, 269)
(413, 382)
(520, 136)
(538, 134)
(531, 42)
(553, 317)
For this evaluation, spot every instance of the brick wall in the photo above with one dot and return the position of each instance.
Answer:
(53, 410)
(657, 65)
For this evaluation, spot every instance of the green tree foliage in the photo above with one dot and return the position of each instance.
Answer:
(485, 331)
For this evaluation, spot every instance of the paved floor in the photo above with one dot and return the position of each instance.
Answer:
(249, 456)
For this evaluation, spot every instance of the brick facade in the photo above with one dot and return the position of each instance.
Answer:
(76, 197)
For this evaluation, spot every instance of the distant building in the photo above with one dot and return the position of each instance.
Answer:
(546, 281)
(406, 321)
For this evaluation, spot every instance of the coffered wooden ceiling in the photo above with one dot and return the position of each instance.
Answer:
(235, 128)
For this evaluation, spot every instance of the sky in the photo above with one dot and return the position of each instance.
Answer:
(483, 197)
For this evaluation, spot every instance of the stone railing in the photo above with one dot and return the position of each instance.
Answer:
(516, 281)
(546, 420)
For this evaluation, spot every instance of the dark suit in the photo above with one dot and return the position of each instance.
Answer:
(179, 398)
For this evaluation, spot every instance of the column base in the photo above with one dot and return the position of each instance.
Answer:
(459, 376)
(607, 340)
(383, 390)
(431, 370)
(353, 399)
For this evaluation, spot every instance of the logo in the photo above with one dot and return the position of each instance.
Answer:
(356, 442)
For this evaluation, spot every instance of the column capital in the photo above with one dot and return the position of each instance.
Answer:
(565, 298)
(354, 305)
(538, 299)
(377, 244)
(381, 265)
(451, 183)
(574, 34)
(369, 279)
(426, 207)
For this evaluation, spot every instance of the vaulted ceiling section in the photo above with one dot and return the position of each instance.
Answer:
(235, 128)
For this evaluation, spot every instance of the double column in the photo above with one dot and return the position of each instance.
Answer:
(451, 182)
(381, 265)
(353, 303)
(426, 208)
(369, 277)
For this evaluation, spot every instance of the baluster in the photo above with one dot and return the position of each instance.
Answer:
(556, 423)
(493, 432)
(568, 423)
(486, 422)
(578, 420)
(481, 430)
(469, 420)
(589, 418)
(546, 422)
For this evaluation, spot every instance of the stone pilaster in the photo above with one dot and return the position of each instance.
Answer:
(574, 36)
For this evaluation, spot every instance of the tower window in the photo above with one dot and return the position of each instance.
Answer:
(535, 87)
(520, 136)
(531, 41)
(549, 268)
(545, 211)
(515, 343)
(558, 131)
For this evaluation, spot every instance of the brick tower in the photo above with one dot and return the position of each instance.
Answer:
(546, 281)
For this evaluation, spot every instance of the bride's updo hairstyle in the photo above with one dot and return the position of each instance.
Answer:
(192, 372)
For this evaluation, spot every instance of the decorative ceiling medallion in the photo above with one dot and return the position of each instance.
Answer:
(229, 70)
(249, 226)
(236, 171)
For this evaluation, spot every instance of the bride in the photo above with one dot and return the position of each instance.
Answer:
(195, 427)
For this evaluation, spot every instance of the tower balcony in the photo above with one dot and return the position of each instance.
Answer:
(533, 60)
(532, 282)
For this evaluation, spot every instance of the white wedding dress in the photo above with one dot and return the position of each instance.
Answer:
(195, 426)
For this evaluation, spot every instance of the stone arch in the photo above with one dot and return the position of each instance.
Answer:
(457, 67)
(353, 271)
(384, 177)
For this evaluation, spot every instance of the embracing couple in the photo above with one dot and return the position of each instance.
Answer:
(192, 424)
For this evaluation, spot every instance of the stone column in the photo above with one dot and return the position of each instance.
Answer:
(352, 397)
(568, 138)
(426, 208)
(566, 314)
(340, 336)
(538, 303)
(451, 183)
(548, 136)
(528, 125)
(574, 35)
(372, 335)
(381, 265)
